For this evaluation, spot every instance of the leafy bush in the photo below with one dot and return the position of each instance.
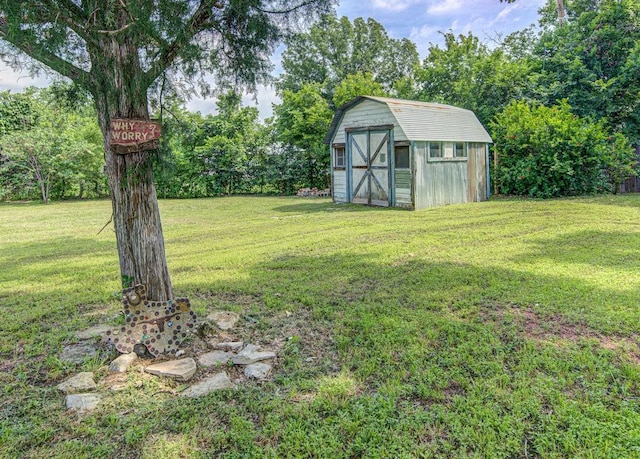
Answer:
(548, 151)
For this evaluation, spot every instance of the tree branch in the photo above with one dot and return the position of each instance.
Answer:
(56, 63)
(289, 10)
(198, 22)
(77, 13)
(74, 19)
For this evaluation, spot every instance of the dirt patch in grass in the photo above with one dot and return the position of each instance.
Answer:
(532, 325)
(538, 327)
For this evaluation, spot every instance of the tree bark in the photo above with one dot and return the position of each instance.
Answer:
(120, 91)
(560, 5)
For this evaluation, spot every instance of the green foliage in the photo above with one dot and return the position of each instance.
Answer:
(359, 84)
(56, 155)
(592, 61)
(213, 155)
(301, 123)
(17, 111)
(547, 152)
(335, 48)
(465, 73)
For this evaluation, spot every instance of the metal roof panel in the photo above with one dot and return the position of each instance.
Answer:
(424, 120)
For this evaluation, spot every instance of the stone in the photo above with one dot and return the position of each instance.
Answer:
(82, 402)
(214, 358)
(122, 363)
(233, 346)
(78, 353)
(225, 320)
(252, 354)
(78, 383)
(257, 370)
(216, 382)
(93, 332)
(182, 370)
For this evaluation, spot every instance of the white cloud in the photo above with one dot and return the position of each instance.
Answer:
(445, 7)
(17, 81)
(504, 14)
(393, 5)
(423, 37)
(264, 99)
(423, 33)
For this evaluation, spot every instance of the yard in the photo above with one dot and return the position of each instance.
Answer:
(504, 329)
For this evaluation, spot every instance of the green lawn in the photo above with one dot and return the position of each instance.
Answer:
(506, 329)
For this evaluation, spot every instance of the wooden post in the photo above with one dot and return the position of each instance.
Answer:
(495, 170)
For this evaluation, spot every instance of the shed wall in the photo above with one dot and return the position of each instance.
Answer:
(340, 186)
(438, 183)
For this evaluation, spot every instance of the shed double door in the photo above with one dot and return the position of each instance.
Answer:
(369, 156)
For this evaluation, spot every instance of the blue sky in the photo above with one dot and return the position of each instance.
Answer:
(421, 21)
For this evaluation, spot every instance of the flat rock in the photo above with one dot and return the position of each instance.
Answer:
(211, 359)
(252, 354)
(78, 353)
(225, 320)
(257, 370)
(78, 383)
(216, 382)
(92, 332)
(122, 363)
(182, 369)
(82, 402)
(233, 346)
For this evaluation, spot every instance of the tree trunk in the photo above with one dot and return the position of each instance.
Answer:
(560, 5)
(120, 91)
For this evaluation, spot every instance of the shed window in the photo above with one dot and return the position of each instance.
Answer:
(442, 151)
(402, 157)
(339, 158)
(435, 150)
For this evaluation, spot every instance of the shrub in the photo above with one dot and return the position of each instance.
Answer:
(548, 151)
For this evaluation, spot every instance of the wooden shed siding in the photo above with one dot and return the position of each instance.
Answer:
(365, 114)
(438, 183)
(340, 186)
(403, 188)
(476, 173)
(446, 183)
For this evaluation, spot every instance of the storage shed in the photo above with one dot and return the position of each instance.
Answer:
(402, 153)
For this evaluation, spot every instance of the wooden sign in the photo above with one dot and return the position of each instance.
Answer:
(129, 136)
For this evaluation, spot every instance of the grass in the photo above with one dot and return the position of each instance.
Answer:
(506, 329)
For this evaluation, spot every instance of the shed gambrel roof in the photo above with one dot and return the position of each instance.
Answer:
(423, 120)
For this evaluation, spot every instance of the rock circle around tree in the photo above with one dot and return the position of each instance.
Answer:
(216, 361)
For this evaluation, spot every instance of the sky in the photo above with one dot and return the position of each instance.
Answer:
(421, 21)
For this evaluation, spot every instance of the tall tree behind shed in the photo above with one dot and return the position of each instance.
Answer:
(118, 50)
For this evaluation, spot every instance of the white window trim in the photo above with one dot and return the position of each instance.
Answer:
(335, 157)
(443, 149)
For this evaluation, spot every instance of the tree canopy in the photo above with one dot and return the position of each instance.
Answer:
(335, 48)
